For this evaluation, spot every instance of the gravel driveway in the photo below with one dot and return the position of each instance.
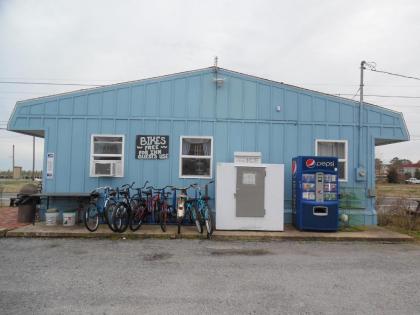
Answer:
(64, 276)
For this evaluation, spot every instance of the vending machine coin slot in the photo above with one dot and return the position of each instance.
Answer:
(319, 197)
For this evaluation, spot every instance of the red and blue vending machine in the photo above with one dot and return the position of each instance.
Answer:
(315, 193)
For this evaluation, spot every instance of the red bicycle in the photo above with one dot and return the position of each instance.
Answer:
(149, 206)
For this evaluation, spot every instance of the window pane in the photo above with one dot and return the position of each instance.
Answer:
(332, 149)
(193, 146)
(341, 170)
(198, 167)
(107, 158)
(107, 139)
(107, 148)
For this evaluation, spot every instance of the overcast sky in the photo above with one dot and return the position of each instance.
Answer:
(314, 44)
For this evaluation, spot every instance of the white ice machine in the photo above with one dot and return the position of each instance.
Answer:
(249, 194)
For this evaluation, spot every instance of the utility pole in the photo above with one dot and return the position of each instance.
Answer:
(33, 158)
(362, 68)
(13, 160)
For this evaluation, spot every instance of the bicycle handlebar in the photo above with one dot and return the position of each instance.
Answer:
(101, 188)
(158, 189)
(128, 185)
(196, 186)
(184, 188)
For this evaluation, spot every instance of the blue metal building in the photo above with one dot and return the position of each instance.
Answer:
(208, 114)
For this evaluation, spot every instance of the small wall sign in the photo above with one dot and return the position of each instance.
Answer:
(50, 165)
(150, 147)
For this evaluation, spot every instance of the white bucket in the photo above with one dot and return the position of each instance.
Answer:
(51, 218)
(69, 218)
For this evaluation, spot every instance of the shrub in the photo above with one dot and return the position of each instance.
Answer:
(393, 176)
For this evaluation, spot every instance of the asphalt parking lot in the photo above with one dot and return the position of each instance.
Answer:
(75, 276)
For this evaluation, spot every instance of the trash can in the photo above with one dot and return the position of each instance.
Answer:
(26, 203)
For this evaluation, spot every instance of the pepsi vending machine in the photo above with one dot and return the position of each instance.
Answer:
(315, 193)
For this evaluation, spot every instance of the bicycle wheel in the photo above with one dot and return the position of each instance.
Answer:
(163, 217)
(121, 217)
(208, 221)
(92, 217)
(138, 212)
(196, 217)
(108, 214)
(179, 221)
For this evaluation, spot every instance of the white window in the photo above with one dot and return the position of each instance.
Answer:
(196, 157)
(107, 156)
(336, 148)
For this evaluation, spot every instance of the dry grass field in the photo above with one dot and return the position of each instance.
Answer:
(401, 217)
(398, 190)
(13, 185)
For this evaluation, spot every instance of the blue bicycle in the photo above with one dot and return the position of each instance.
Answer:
(95, 212)
(201, 209)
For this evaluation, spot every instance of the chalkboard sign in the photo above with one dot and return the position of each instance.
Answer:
(152, 147)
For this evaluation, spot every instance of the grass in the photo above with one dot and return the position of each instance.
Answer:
(398, 190)
(355, 228)
(398, 218)
(13, 185)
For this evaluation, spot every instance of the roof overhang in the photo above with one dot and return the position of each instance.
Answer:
(34, 133)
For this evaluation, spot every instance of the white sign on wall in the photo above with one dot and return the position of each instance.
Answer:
(50, 165)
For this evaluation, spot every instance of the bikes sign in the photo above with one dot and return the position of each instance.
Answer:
(152, 147)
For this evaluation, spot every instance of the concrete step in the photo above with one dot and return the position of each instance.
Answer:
(375, 234)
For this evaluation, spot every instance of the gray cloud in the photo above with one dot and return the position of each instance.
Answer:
(313, 44)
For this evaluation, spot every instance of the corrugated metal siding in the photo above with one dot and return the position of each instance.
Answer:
(241, 116)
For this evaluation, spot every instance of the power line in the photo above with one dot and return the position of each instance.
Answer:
(394, 74)
(357, 93)
(377, 95)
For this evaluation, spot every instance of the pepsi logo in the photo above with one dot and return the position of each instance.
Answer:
(294, 167)
(310, 163)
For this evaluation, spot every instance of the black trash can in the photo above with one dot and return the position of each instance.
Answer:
(27, 203)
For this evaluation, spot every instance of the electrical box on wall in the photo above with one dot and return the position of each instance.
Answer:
(360, 174)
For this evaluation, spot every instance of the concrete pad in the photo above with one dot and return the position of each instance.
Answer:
(146, 231)
(373, 234)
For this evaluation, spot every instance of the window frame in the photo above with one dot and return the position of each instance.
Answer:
(209, 157)
(346, 154)
(92, 154)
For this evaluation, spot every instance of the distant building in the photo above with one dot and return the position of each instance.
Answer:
(410, 168)
(17, 172)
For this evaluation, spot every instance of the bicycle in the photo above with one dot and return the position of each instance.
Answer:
(163, 206)
(151, 205)
(93, 212)
(203, 209)
(122, 212)
(138, 207)
(184, 206)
